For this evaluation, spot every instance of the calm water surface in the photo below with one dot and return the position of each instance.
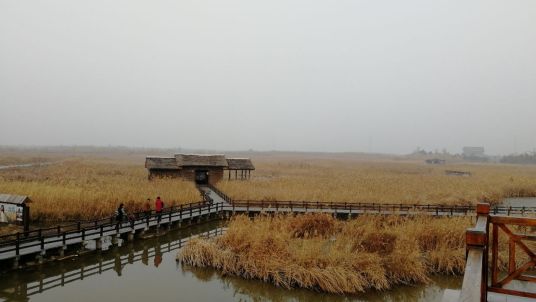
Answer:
(146, 270)
(520, 202)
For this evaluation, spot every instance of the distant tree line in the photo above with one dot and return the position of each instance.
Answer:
(525, 158)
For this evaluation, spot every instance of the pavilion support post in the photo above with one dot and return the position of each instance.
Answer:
(235, 174)
(229, 174)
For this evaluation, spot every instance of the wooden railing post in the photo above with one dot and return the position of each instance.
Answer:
(476, 240)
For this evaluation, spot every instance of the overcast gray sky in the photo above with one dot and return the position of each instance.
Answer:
(381, 76)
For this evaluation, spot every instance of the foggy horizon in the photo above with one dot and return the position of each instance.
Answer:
(311, 76)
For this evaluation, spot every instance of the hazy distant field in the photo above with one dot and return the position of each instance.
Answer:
(382, 180)
(87, 183)
(90, 187)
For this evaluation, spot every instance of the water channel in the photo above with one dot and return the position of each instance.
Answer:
(146, 270)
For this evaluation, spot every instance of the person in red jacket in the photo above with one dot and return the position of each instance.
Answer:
(159, 205)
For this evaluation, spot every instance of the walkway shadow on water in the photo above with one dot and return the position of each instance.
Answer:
(20, 285)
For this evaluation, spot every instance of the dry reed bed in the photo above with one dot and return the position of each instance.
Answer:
(316, 251)
(88, 189)
(382, 182)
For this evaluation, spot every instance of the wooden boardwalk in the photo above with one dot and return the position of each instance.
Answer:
(59, 238)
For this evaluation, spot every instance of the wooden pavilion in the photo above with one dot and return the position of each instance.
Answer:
(244, 165)
(201, 168)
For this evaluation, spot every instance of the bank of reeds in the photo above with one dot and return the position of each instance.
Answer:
(382, 182)
(316, 251)
(88, 189)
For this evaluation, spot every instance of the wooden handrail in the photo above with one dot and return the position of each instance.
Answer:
(474, 288)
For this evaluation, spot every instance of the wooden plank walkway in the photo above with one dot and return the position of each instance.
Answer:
(60, 237)
(41, 243)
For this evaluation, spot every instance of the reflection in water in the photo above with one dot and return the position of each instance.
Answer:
(153, 261)
(19, 285)
(253, 290)
(157, 256)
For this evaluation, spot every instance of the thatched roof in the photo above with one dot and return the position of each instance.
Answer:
(14, 199)
(164, 163)
(240, 164)
(192, 160)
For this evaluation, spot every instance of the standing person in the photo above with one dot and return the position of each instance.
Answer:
(159, 205)
(3, 217)
(147, 208)
(120, 214)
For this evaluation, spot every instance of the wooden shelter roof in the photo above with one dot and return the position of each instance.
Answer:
(240, 164)
(14, 199)
(164, 163)
(192, 160)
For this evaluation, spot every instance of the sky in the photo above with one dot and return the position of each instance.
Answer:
(383, 76)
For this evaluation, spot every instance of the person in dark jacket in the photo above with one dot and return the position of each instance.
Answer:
(147, 208)
(120, 215)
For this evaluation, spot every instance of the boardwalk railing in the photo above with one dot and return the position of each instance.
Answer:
(89, 224)
(475, 286)
(347, 206)
(61, 236)
(360, 208)
(220, 193)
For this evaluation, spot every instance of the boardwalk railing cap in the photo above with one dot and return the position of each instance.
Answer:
(482, 208)
(475, 238)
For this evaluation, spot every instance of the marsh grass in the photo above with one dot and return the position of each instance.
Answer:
(318, 252)
(382, 182)
(88, 189)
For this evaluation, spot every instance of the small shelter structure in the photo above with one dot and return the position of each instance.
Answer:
(457, 173)
(201, 168)
(14, 209)
(435, 161)
(244, 165)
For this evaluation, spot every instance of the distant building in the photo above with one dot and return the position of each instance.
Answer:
(203, 169)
